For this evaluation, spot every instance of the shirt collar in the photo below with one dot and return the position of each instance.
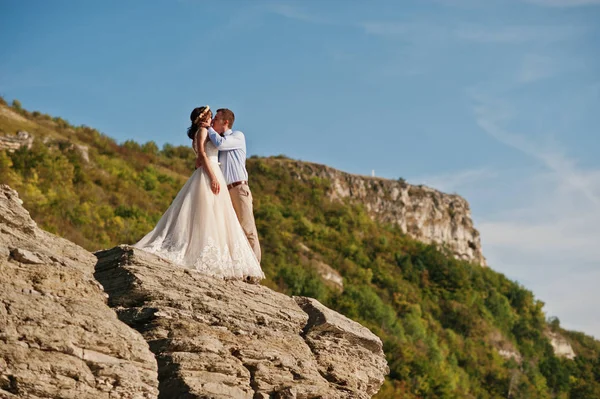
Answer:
(227, 132)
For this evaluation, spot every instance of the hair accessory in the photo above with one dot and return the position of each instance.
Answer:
(199, 118)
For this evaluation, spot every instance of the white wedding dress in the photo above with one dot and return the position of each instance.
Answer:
(200, 230)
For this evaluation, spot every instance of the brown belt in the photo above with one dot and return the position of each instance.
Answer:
(237, 183)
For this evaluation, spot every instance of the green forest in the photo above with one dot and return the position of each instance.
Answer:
(442, 321)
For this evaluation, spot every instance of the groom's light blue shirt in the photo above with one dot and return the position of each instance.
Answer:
(232, 154)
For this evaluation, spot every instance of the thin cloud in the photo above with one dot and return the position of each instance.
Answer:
(385, 28)
(536, 67)
(427, 31)
(563, 3)
(548, 240)
(572, 233)
(518, 34)
(461, 3)
(471, 33)
(292, 12)
(453, 182)
(488, 118)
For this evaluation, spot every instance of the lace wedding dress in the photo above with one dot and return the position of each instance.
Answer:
(200, 230)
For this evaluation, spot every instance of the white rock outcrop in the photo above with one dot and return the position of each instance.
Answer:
(562, 347)
(14, 142)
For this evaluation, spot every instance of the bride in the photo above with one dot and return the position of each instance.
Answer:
(200, 230)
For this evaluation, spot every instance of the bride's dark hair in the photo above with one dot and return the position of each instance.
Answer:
(197, 116)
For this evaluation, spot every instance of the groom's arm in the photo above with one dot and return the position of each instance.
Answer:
(234, 141)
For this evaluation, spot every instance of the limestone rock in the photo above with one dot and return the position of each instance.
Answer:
(334, 338)
(58, 338)
(562, 347)
(229, 339)
(421, 212)
(12, 143)
(83, 151)
(25, 256)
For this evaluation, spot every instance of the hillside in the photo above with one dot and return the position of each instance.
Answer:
(450, 327)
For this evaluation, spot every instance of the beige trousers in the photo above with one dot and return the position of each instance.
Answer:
(241, 197)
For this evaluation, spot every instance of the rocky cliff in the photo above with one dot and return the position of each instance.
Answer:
(421, 212)
(171, 333)
(58, 338)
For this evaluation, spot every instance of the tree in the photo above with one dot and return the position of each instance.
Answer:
(150, 148)
(554, 323)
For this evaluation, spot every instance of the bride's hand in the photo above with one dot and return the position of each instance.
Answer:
(215, 186)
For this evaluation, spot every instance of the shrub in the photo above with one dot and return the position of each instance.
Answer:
(16, 104)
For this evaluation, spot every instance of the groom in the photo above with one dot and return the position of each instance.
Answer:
(232, 156)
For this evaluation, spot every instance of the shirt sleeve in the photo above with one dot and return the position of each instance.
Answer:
(233, 141)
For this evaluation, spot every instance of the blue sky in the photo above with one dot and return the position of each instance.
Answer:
(496, 100)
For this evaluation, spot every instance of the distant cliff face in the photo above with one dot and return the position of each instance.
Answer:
(423, 213)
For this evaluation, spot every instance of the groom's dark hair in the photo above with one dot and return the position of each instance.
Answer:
(227, 115)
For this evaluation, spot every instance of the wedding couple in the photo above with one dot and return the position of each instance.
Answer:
(210, 226)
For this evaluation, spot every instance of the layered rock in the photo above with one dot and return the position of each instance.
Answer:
(12, 143)
(229, 339)
(58, 337)
(421, 212)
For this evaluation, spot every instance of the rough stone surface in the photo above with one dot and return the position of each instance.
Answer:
(58, 337)
(334, 339)
(229, 339)
(421, 212)
(562, 347)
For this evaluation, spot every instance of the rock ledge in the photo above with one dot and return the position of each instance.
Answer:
(228, 339)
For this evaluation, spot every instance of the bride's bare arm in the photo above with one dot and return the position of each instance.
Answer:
(200, 141)
(197, 152)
